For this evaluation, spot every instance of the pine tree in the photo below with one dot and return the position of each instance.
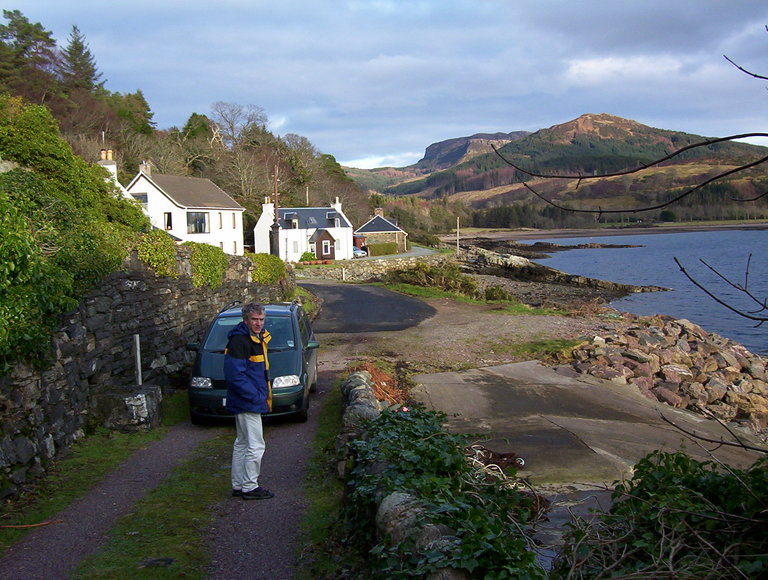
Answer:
(78, 67)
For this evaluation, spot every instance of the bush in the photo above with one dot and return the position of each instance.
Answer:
(62, 230)
(382, 249)
(208, 264)
(498, 293)
(676, 518)
(446, 277)
(270, 269)
(407, 450)
(158, 250)
(307, 257)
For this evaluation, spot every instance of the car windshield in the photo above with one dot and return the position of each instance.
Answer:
(278, 326)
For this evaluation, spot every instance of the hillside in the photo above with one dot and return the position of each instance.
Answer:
(589, 145)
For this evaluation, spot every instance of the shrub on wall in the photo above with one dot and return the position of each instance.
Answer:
(158, 250)
(269, 269)
(208, 264)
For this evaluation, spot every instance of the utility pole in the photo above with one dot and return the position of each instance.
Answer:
(457, 236)
(275, 238)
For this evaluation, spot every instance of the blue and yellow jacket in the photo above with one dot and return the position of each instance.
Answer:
(246, 370)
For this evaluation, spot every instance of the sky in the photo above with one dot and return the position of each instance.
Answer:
(375, 82)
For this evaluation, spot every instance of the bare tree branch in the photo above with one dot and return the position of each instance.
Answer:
(759, 319)
(745, 71)
(640, 167)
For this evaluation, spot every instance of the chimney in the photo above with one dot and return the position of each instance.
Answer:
(336, 205)
(145, 168)
(378, 212)
(105, 160)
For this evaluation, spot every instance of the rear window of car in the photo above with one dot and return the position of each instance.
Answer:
(279, 327)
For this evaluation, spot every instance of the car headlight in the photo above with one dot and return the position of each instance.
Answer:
(201, 383)
(285, 381)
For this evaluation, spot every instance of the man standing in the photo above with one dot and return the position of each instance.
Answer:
(249, 394)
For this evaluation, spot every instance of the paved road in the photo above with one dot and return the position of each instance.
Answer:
(352, 308)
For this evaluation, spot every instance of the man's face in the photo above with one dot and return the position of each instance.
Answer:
(254, 322)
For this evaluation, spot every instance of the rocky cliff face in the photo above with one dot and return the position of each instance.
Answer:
(454, 151)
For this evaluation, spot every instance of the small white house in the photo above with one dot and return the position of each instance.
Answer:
(191, 209)
(324, 231)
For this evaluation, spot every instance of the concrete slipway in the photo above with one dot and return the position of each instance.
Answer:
(569, 431)
(577, 436)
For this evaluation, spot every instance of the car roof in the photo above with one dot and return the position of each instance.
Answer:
(283, 309)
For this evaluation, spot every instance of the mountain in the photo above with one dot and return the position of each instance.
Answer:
(451, 152)
(468, 170)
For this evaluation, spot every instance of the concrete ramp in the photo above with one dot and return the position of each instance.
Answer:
(568, 430)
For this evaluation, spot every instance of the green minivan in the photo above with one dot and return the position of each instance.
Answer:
(292, 363)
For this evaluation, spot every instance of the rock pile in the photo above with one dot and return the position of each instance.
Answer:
(678, 363)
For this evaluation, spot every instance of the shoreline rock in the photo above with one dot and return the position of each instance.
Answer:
(676, 362)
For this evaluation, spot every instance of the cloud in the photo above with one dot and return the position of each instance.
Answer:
(377, 80)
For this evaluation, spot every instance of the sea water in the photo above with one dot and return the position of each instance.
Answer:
(653, 264)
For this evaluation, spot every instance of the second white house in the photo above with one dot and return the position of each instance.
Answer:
(324, 231)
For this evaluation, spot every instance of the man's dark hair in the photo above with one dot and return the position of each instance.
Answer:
(251, 308)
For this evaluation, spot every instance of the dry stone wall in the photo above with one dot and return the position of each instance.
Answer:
(367, 270)
(92, 379)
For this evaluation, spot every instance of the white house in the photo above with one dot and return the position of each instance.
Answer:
(190, 208)
(324, 231)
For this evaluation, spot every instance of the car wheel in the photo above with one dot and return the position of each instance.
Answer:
(196, 419)
(303, 415)
(313, 386)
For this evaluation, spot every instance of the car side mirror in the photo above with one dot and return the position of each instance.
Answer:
(312, 344)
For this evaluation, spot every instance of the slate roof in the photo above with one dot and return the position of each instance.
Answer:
(378, 225)
(311, 217)
(194, 192)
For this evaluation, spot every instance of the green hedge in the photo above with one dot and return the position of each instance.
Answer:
(382, 249)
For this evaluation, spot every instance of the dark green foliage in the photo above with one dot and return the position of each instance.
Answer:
(677, 518)
(407, 450)
(498, 293)
(382, 248)
(270, 269)
(78, 67)
(445, 277)
(208, 264)
(63, 230)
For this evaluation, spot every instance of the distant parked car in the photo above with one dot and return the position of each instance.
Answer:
(358, 253)
(292, 354)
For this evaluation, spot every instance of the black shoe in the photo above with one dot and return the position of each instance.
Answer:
(237, 492)
(258, 493)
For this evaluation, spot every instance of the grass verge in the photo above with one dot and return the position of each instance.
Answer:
(505, 306)
(76, 473)
(162, 537)
(321, 526)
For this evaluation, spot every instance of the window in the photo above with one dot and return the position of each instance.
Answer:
(295, 247)
(197, 222)
(313, 248)
(221, 220)
(234, 221)
(326, 247)
(168, 220)
(221, 246)
(234, 248)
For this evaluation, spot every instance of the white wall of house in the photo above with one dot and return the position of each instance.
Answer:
(222, 228)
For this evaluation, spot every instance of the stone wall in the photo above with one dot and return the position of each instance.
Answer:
(368, 269)
(92, 380)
